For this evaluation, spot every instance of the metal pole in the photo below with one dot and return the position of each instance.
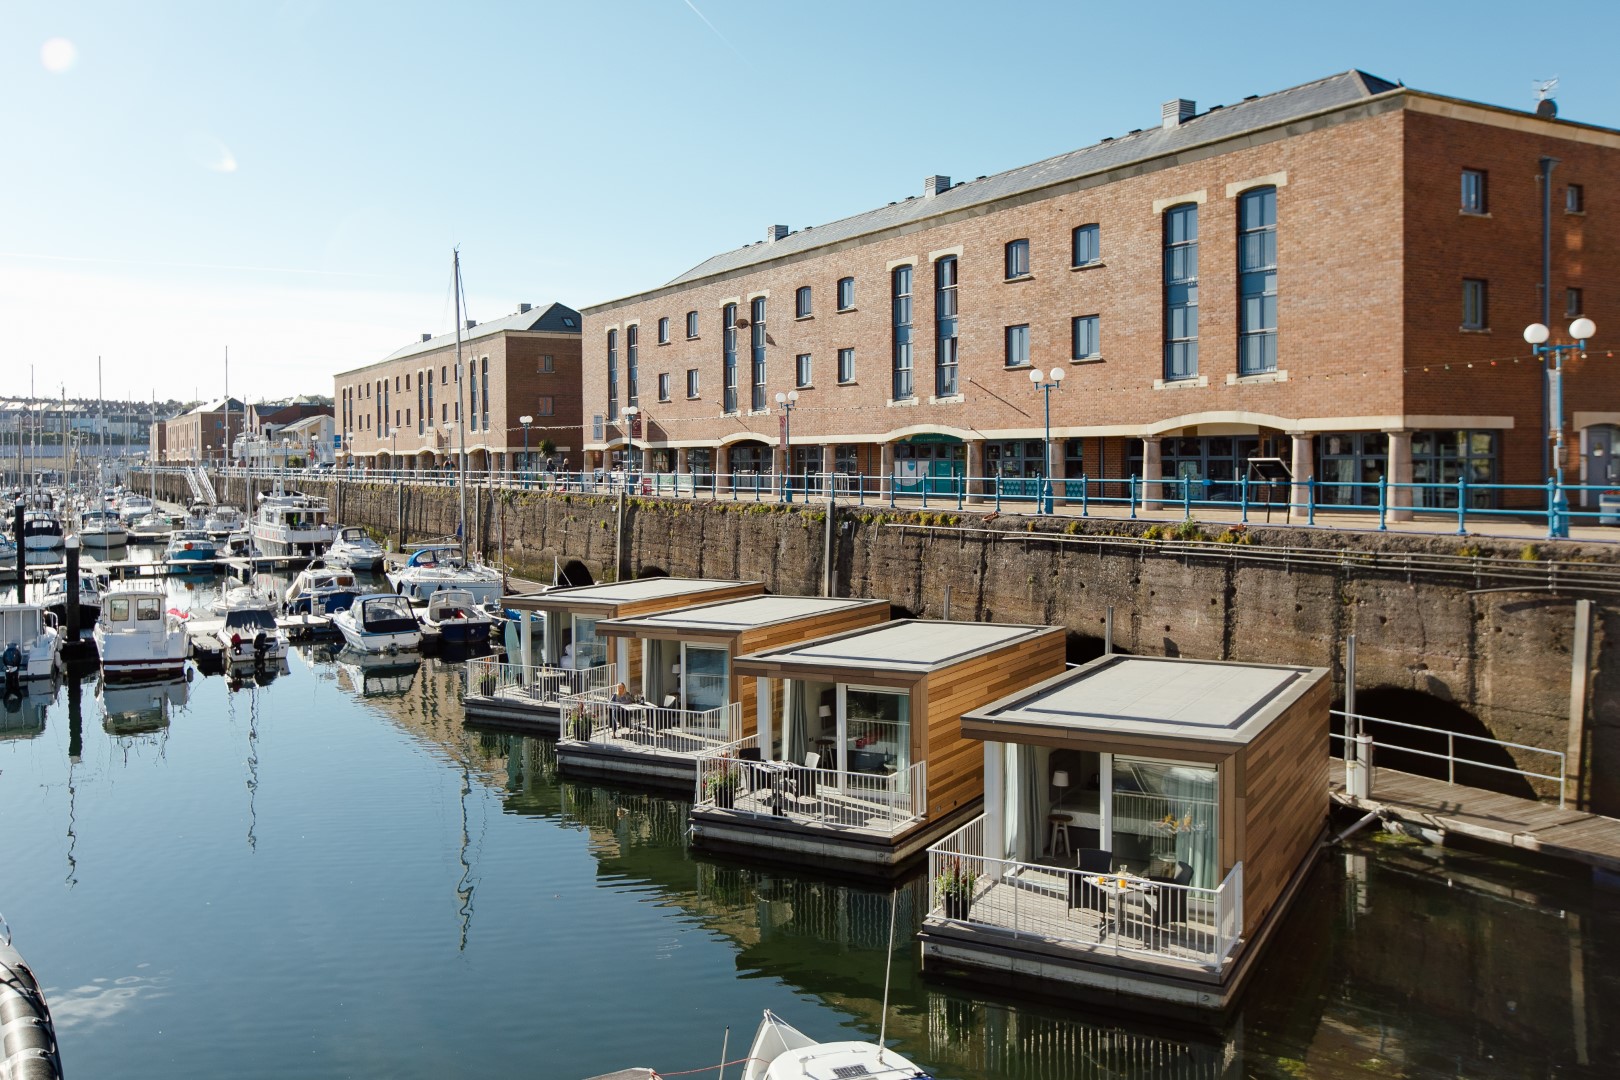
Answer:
(1560, 502)
(1547, 164)
(461, 420)
(1047, 466)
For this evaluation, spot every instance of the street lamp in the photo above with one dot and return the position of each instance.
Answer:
(528, 466)
(393, 457)
(1053, 380)
(1537, 334)
(786, 402)
(630, 413)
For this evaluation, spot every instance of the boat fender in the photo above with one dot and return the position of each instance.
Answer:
(259, 642)
(12, 658)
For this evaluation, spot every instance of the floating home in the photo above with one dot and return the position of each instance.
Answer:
(859, 763)
(570, 657)
(1146, 823)
(688, 702)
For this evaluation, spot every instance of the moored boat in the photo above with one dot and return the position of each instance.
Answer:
(54, 599)
(379, 623)
(100, 528)
(321, 590)
(440, 566)
(292, 524)
(249, 634)
(29, 642)
(136, 637)
(355, 549)
(42, 530)
(457, 618)
(28, 1049)
(781, 1051)
(189, 544)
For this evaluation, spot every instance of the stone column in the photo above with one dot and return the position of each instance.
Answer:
(885, 468)
(1303, 466)
(975, 468)
(1152, 472)
(1059, 497)
(682, 461)
(1399, 471)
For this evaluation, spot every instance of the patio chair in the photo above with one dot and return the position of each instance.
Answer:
(1083, 893)
(1172, 903)
(807, 780)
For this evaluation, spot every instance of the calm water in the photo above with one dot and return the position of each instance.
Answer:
(329, 875)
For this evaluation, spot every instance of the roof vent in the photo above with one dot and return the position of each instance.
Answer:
(523, 309)
(933, 185)
(471, 323)
(427, 337)
(774, 233)
(1178, 111)
(1547, 109)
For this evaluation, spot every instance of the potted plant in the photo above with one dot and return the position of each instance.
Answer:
(579, 725)
(955, 884)
(488, 680)
(721, 786)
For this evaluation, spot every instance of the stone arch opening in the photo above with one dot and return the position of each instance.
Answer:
(1395, 746)
(575, 572)
(652, 571)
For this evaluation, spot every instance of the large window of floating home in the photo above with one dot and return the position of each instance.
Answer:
(1087, 245)
(632, 336)
(704, 681)
(613, 377)
(945, 340)
(756, 338)
(584, 648)
(728, 363)
(1257, 281)
(876, 735)
(901, 291)
(1181, 292)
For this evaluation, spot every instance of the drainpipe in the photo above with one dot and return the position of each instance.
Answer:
(1547, 164)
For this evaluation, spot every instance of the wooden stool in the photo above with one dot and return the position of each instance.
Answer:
(1060, 833)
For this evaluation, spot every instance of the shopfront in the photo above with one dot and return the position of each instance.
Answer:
(935, 463)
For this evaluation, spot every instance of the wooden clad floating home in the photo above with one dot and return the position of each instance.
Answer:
(858, 759)
(1151, 815)
(690, 700)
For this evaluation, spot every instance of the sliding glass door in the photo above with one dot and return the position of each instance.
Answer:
(1164, 819)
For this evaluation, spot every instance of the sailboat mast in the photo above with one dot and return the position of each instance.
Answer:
(461, 418)
(225, 458)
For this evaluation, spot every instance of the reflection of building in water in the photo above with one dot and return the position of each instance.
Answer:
(22, 714)
(132, 708)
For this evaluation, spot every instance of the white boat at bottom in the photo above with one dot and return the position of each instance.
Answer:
(249, 634)
(379, 623)
(136, 637)
(781, 1051)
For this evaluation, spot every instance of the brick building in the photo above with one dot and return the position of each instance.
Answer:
(201, 434)
(1336, 275)
(402, 411)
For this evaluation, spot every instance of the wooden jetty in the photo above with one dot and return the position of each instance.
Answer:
(1486, 816)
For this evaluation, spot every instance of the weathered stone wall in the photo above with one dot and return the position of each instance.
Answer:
(1443, 644)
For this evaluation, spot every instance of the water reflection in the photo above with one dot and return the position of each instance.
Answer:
(134, 708)
(23, 708)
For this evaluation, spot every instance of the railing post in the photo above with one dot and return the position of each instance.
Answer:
(1383, 502)
(1552, 512)
(892, 477)
(925, 492)
(860, 478)
(1186, 498)
(961, 489)
(1462, 505)
(998, 493)
(1451, 758)
(1243, 498)
(1133, 496)
(1084, 508)
(1310, 500)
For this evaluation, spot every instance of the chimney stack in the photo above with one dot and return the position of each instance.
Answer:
(1178, 111)
(471, 323)
(523, 309)
(427, 337)
(775, 233)
(933, 185)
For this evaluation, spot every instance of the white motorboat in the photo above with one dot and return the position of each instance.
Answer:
(152, 527)
(292, 524)
(223, 520)
(430, 569)
(54, 599)
(782, 1052)
(379, 623)
(249, 634)
(102, 529)
(42, 530)
(136, 637)
(196, 517)
(133, 507)
(355, 549)
(189, 544)
(237, 544)
(8, 552)
(29, 642)
(321, 590)
(457, 618)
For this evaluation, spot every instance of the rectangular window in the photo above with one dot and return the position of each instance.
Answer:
(1018, 346)
(728, 365)
(632, 339)
(1257, 281)
(801, 370)
(1473, 191)
(1572, 302)
(801, 303)
(691, 382)
(1018, 259)
(663, 386)
(1181, 292)
(663, 330)
(945, 339)
(900, 288)
(691, 324)
(846, 365)
(544, 405)
(612, 374)
(485, 378)
(846, 293)
(1087, 245)
(757, 341)
(548, 364)
(1575, 199)
(1087, 344)
(1474, 310)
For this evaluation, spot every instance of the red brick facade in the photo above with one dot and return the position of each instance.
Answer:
(1371, 254)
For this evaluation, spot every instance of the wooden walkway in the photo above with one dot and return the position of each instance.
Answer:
(1488, 816)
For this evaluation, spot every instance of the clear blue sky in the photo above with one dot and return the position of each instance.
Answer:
(287, 178)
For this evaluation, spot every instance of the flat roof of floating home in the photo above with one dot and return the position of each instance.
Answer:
(615, 593)
(731, 616)
(1210, 701)
(910, 646)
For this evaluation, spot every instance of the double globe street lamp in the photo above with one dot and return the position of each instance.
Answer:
(787, 402)
(1046, 383)
(1537, 334)
(528, 466)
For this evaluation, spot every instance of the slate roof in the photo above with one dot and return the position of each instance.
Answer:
(553, 318)
(1212, 125)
